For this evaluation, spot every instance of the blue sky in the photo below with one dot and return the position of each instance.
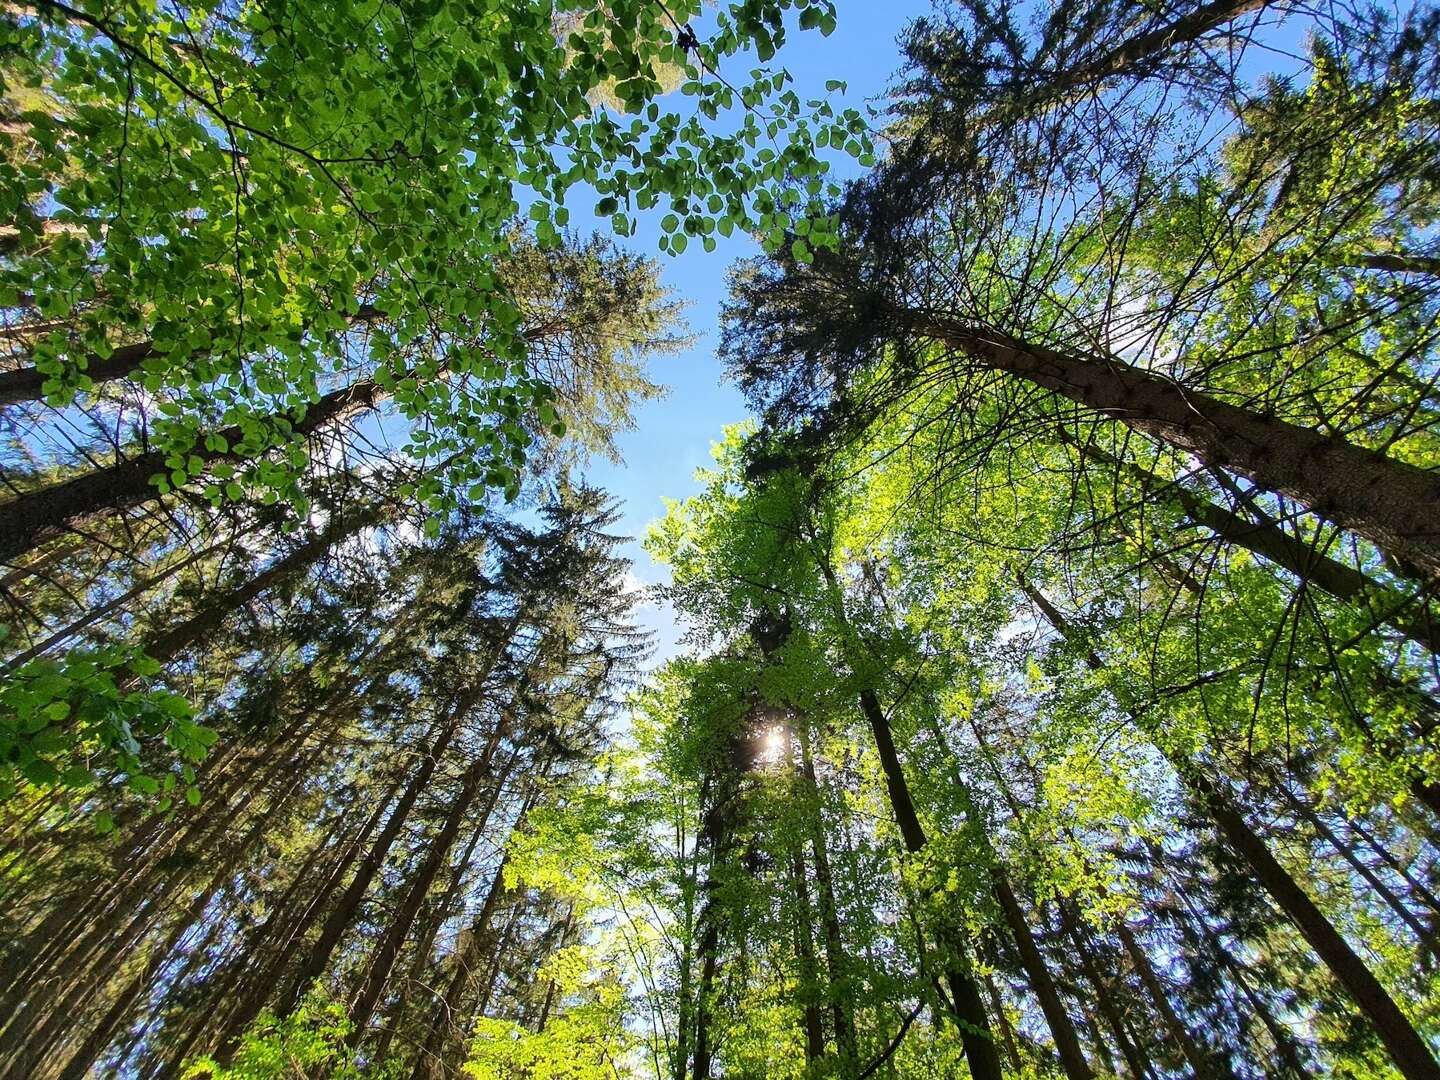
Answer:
(673, 436)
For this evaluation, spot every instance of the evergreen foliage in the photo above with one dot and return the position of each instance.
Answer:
(1059, 691)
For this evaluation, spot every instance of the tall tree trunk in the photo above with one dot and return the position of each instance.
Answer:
(77, 1067)
(99, 612)
(445, 1035)
(1130, 57)
(249, 992)
(425, 940)
(200, 626)
(28, 384)
(1037, 974)
(835, 960)
(567, 928)
(377, 975)
(1389, 502)
(44, 1020)
(1399, 263)
(344, 912)
(1204, 1063)
(59, 983)
(965, 1002)
(1102, 993)
(1409, 615)
(1002, 1021)
(39, 516)
(1404, 1044)
(812, 1025)
(1302, 808)
(717, 834)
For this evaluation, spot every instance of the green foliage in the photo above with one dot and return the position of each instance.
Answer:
(310, 1042)
(168, 189)
(586, 1039)
(65, 723)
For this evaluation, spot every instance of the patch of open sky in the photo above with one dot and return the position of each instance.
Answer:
(672, 437)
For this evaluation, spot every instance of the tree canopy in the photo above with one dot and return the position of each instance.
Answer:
(1058, 695)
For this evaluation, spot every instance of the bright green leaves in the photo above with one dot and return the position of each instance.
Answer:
(309, 1041)
(67, 724)
(582, 1042)
(237, 230)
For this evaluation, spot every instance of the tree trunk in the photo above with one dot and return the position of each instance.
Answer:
(1302, 808)
(1067, 1042)
(438, 852)
(95, 614)
(1002, 1021)
(45, 1020)
(811, 1023)
(1404, 1044)
(1399, 263)
(1389, 502)
(967, 1006)
(343, 914)
(445, 1036)
(39, 516)
(28, 384)
(200, 626)
(1126, 57)
(829, 917)
(1410, 616)
(101, 1032)
(1205, 1064)
(709, 950)
(250, 995)
(1103, 994)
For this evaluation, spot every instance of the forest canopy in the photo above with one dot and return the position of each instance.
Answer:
(1058, 693)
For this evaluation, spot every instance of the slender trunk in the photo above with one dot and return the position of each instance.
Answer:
(377, 975)
(60, 980)
(1389, 502)
(1376, 845)
(446, 1032)
(101, 611)
(1067, 1042)
(965, 1003)
(564, 940)
(829, 916)
(1002, 1021)
(200, 626)
(247, 995)
(28, 384)
(709, 948)
(1103, 994)
(1404, 1044)
(60, 1012)
(811, 1022)
(425, 940)
(344, 912)
(1204, 1064)
(1280, 1035)
(1400, 263)
(1409, 615)
(1302, 808)
(103, 1031)
(1130, 57)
